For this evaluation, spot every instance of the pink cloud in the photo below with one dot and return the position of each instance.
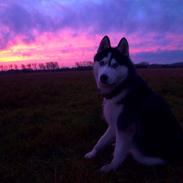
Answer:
(66, 47)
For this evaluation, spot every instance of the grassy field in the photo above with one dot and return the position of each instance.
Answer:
(48, 121)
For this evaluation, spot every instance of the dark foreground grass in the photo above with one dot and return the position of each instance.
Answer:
(48, 121)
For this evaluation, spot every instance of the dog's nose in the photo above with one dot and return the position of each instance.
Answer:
(103, 78)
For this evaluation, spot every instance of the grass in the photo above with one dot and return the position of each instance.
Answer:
(48, 121)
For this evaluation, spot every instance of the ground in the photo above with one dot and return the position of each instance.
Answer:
(48, 121)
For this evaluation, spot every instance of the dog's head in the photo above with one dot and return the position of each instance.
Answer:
(112, 66)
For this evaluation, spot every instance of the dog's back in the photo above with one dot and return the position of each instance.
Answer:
(157, 133)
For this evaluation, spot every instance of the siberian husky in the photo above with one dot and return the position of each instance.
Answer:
(139, 120)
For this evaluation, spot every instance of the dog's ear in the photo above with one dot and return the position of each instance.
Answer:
(123, 47)
(105, 43)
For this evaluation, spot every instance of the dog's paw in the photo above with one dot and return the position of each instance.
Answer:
(107, 168)
(90, 154)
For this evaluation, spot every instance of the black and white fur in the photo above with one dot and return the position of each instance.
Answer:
(139, 120)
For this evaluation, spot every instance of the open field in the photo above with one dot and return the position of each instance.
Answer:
(48, 121)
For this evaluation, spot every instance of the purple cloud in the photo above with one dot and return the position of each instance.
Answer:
(163, 57)
(128, 16)
(31, 18)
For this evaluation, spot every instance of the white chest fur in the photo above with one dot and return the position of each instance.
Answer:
(111, 111)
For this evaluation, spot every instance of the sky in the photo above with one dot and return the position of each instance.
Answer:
(69, 31)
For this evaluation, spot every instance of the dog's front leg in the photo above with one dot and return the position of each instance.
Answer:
(123, 143)
(106, 139)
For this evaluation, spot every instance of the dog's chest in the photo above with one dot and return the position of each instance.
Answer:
(111, 112)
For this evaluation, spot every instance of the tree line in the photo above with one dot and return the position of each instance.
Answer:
(31, 66)
(85, 65)
(47, 66)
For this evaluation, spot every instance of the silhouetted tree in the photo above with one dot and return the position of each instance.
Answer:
(142, 65)
(42, 66)
(23, 67)
(15, 67)
(34, 66)
(52, 66)
(29, 66)
(1, 67)
(84, 65)
(10, 67)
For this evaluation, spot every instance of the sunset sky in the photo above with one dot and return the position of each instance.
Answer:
(69, 31)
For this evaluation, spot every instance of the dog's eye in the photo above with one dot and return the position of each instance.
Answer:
(115, 65)
(102, 63)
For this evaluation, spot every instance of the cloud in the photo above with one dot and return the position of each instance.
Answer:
(124, 16)
(163, 57)
(146, 24)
